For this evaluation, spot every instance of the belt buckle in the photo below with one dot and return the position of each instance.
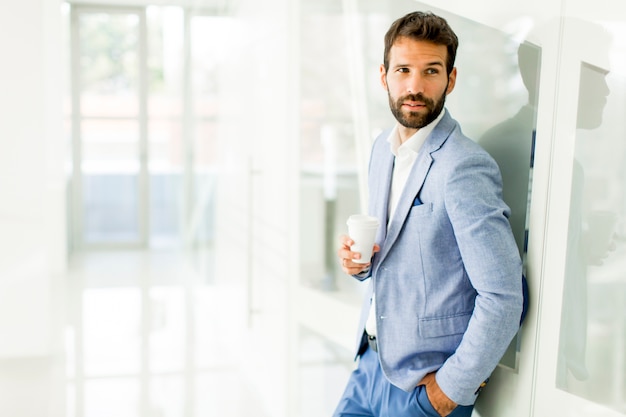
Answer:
(371, 341)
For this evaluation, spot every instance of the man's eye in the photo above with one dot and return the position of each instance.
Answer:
(404, 70)
(432, 71)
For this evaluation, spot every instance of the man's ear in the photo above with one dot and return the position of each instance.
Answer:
(451, 81)
(383, 77)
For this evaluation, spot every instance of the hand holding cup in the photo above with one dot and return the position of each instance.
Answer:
(357, 248)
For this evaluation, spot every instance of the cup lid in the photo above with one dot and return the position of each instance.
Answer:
(363, 220)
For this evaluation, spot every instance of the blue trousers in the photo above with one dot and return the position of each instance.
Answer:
(370, 394)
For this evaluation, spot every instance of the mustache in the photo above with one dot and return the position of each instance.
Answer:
(416, 97)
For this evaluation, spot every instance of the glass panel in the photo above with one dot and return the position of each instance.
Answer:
(208, 57)
(165, 132)
(512, 143)
(592, 348)
(109, 65)
(165, 166)
(110, 168)
(329, 184)
(165, 61)
(205, 160)
(208, 51)
(109, 89)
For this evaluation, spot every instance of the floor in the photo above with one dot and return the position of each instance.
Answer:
(151, 334)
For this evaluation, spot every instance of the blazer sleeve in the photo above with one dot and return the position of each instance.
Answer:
(362, 276)
(479, 218)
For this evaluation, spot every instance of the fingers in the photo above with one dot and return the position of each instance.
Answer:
(345, 253)
(438, 399)
(353, 268)
(347, 257)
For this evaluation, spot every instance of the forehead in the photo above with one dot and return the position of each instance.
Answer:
(405, 50)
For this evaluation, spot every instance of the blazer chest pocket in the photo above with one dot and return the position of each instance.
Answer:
(444, 326)
(421, 210)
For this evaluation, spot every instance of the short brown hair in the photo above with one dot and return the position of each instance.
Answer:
(423, 26)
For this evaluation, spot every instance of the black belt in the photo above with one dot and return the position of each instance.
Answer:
(371, 341)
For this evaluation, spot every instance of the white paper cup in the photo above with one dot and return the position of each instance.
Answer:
(362, 230)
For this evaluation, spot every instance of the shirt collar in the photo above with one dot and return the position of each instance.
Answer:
(415, 142)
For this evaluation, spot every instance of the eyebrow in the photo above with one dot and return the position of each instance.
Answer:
(429, 64)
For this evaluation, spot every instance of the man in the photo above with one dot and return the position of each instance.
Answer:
(446, 291)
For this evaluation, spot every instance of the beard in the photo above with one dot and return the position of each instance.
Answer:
(412, 119)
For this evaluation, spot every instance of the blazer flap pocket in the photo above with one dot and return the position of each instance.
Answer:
(444, 326)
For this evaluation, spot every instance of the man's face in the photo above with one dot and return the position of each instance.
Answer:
(417, 82)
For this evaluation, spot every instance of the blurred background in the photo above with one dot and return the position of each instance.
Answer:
(174, 176)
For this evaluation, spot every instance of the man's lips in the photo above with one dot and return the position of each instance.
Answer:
(414, 105)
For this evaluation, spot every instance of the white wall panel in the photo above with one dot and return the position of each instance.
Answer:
(31, 177)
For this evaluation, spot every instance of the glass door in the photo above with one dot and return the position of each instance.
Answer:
(582, 355)
(109, 145)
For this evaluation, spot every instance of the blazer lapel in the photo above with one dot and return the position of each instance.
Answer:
(380, 205)
(415, 181)
(413, 185)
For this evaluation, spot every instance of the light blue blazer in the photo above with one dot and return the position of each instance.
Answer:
(448, 277)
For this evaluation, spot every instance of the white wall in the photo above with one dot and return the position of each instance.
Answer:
(32, 213)
(32, 209)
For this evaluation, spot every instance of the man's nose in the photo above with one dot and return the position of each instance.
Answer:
(415, 84)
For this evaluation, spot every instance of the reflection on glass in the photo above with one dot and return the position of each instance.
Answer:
(592, 357)
(511, 143)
